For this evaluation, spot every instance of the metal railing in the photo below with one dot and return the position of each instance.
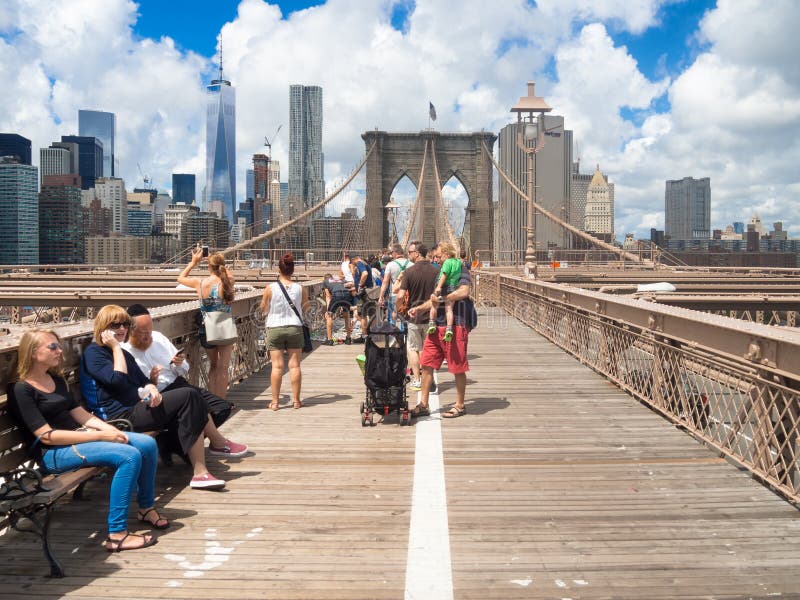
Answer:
(733, 384)
(179, 323)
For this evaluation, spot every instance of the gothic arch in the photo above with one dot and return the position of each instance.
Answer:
(457, 154)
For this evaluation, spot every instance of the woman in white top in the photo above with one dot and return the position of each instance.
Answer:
(284, 329)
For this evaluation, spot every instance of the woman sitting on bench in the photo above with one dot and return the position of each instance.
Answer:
(62, 437)
(124, 392)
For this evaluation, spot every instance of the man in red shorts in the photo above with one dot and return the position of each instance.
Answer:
(435, 350)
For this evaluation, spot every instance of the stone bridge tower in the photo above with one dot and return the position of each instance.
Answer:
(457, 154)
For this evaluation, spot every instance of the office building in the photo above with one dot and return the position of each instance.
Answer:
(111, 193)
(90, 158)
(552, 174)
(260, 193)
(61, 220)
(103, 126)
(183, 188)
(140, 219)
(175, 218)
(306, 161)
(14, 145)
(221, 144)
(207, 228)
(56, 160)
(599, 208)
(97, 220)
(687, 209)
(19, 205)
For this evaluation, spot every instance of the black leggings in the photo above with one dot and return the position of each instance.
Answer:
(182, 410)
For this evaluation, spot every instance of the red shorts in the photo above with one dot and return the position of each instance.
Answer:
(434, 350)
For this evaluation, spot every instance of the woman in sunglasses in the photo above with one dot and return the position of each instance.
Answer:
(62, 436)
(124, 392)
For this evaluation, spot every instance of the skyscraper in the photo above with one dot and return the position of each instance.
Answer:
(111, 193)
(61, 220)
(90, 158)
(19, 205)
(599, 210)
(55, 160)
(687, 209)
(13, 144)
(183, 188)
(221, 145)
(306, 161)
(552, 168)
(103, 126)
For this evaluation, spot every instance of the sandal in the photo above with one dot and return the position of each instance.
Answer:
(113, 545)
(454, 412)
(159, 522)
(298, 404)
(273, 406)
(420, 411)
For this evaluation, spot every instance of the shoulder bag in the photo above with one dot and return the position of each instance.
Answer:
(307, 347)
(220, 328)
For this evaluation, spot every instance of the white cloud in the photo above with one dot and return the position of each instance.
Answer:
(734, 116)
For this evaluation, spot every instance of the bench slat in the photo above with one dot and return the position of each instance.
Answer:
(63, 483)
(10, 439)
(13, 459)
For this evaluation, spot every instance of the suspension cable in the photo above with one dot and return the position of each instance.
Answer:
(572, 229)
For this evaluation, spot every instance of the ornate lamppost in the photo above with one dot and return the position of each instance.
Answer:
(391, 214)
(530, 139)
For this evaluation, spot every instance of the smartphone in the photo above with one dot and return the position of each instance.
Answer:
(205, 251)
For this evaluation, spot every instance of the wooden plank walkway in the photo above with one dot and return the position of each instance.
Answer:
(558, 485)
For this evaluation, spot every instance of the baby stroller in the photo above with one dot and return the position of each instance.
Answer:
(385, 373)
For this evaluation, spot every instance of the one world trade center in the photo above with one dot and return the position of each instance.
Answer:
(221, 145)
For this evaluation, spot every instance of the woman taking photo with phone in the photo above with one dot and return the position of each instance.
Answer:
(62, 436)
(216, 294)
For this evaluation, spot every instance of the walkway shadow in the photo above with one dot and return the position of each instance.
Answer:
(481, 405)
(310, 401)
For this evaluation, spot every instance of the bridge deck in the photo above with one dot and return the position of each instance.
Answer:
(558, 485)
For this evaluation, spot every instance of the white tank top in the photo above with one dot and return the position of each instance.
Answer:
(280, 313)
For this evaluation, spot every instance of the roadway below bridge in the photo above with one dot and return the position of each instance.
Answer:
(555, 484)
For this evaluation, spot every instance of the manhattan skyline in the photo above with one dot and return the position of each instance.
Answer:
(653, 90)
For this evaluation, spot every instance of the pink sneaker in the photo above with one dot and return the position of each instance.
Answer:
(206, 482)
(230, 449)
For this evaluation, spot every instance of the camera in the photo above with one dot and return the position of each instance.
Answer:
(205, 251)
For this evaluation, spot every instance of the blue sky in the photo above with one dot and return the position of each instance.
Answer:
(198, 32)
(652, 89)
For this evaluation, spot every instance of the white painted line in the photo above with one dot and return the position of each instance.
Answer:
(428, 570)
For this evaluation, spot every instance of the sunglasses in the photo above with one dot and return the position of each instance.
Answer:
(54, 346)
(116, 325)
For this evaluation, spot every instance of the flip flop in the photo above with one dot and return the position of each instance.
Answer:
(454, 412)
(117, 544)
(159, 523)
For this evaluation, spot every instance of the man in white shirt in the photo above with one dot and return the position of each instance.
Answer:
(165, 365)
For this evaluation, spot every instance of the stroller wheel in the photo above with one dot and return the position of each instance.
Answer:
(361, 409)
(366, 420)
(405, 418)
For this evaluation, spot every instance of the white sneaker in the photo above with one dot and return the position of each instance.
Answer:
(415, 385)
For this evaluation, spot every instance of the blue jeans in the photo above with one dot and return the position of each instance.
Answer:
(134, 466)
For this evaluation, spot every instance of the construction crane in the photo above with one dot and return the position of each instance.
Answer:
(268, 143)
(145, 178)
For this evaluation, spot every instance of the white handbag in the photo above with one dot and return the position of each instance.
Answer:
(220, 328)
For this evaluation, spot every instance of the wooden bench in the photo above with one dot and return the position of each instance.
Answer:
(26, 494)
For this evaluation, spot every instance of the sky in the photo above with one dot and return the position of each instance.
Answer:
(652, 89)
